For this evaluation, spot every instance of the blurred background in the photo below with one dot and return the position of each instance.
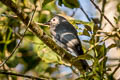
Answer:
(34, 58)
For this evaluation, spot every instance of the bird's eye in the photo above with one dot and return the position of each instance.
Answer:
(53, 19)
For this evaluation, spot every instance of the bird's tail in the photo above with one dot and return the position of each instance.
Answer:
(84, 63)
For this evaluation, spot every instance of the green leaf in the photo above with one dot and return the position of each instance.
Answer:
(79, 33)
(88, 28)
(49, 57)
(83, 57)
(101, 50)
(102, 65)
(118, 7)
(92, 40)
(95, 28)
(14, 1)
(69, 3)
(60, 2)
(90, 24)
(86, 33)
(46, 2)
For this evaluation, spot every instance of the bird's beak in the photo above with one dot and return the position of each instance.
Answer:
(47, 23)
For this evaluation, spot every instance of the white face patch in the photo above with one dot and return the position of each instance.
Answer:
(54, 21)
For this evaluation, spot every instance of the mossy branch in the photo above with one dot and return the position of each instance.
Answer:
(41, 35)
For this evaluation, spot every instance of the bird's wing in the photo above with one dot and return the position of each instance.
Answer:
(71, 41)
(66, 34)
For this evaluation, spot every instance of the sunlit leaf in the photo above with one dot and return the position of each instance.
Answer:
(80, 33)
(69, 3)
(83, 57)
(46, 2)
(14, 1)
(86, 33)
(88, 25)
(48, 56)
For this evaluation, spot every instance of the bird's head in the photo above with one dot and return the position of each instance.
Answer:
(56, 20)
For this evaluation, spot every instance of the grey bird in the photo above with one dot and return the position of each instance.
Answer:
(66, 36)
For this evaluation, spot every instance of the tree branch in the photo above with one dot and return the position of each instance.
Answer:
(85, 13)
(41, 35)
(21, 75)
(103, 9)
(102, 13)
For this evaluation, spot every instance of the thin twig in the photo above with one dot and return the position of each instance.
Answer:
(102, 13)
(116, 69)
(84, 13)
(103, 8)
(17, 46)
(41, 24)
(7, 76)
(21, 75)
(113, 33)
(105, 38)
(74, 12)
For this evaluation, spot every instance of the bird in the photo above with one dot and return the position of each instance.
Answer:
(65, 35)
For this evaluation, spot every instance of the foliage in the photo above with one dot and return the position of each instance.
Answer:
(70, 4)
(36, 58)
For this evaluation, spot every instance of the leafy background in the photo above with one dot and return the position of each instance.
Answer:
(34, 57)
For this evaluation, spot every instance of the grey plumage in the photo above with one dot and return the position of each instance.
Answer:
(66, 36)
